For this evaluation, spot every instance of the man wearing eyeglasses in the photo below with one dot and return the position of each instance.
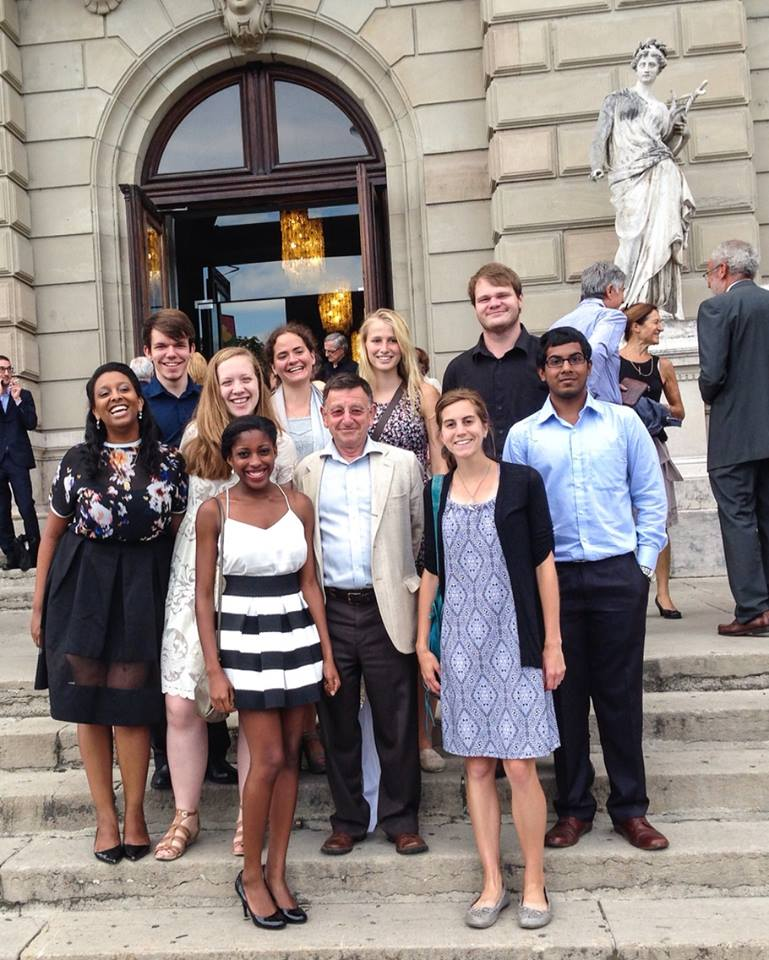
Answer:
(608, 506)
(17, 416)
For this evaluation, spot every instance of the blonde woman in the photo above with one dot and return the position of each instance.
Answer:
(233, 387)
(196, 367)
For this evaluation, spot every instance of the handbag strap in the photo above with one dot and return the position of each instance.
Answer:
(436, 489)
(219, 569)
(388, 411)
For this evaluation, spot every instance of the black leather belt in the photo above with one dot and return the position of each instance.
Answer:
(353, 597)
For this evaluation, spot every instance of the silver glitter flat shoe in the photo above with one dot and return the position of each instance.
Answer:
(532, 919)
(482, 917)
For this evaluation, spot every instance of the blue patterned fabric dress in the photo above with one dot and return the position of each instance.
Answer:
(491, 706)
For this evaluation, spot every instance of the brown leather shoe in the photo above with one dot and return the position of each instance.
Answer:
(567, 831)
(757, 627)
(339, 843)
(408, 843)
(639, 832)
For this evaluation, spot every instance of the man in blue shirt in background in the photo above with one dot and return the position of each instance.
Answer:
(607, 501)
(601, 321)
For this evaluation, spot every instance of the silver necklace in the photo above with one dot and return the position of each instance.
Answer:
(474, 494)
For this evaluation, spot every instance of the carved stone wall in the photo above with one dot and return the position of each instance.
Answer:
(758, 57)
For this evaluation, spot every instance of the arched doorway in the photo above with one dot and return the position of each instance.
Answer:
(262, 200)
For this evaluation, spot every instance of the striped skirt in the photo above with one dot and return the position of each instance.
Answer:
(270, 649)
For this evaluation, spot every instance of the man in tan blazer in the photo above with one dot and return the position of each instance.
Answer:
(368, 506)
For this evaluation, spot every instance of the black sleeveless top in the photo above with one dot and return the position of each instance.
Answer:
(648, 372)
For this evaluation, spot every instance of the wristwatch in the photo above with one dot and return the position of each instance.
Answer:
(647, 572)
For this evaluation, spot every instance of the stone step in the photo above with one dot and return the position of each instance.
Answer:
(61, 870)
(42, 743)
(606, 929)
(692, 781)
(16, 589)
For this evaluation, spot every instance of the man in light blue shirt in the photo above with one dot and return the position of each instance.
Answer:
(607, 501)
(600, 320)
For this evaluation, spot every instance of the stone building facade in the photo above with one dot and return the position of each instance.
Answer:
(484, 110)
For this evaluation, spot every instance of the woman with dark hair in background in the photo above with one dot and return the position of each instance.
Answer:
(97, 613)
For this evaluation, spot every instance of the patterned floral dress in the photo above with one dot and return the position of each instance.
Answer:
(106, 588)
(405, 428)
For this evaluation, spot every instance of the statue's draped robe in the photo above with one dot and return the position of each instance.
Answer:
(650, 194)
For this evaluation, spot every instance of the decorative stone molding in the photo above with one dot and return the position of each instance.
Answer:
(247, 21)
(102, 7)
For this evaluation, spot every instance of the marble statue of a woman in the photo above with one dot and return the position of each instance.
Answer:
(636, 140)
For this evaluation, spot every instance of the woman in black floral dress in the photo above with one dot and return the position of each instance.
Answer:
(97, 612)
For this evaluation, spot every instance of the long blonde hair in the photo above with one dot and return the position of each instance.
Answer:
(203, 455)
(408, 367)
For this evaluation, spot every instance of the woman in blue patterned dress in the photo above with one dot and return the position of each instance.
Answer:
(500, 643)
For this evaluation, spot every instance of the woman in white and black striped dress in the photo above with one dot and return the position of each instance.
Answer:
(275, 649)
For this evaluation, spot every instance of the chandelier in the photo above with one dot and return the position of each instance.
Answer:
(335, 311)
(301, 242)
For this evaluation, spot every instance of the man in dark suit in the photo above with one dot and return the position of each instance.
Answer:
(17, 416)
(733, 331)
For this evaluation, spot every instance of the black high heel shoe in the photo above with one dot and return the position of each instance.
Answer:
(275, 921)
(135, 851)
(290, 914)
(666, 614)
(112, 856)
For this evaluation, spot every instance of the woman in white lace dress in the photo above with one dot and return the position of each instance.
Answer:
(233, 387)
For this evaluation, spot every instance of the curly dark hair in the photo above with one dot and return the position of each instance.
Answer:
(243, 425)
(95, 434)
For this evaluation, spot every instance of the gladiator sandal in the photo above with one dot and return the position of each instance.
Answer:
(178, 836)
(238, 849)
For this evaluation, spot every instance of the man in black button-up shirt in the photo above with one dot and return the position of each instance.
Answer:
(502, 365)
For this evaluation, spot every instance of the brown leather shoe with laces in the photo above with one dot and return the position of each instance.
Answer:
(639, 832)
(339, 843)
(757, 627)
(567, 831)
(408, 843)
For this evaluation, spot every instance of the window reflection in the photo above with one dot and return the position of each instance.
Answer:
(208, 138)
(311, 127)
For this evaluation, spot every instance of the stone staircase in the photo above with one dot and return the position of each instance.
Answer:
(707, 735)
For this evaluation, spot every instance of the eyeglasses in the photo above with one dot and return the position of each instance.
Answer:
(575, 360)
(707, 273)
(4, 369)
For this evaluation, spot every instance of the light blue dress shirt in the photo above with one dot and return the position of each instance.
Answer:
(4, 398)
(603, 328)
(598, 474)
(344, 515)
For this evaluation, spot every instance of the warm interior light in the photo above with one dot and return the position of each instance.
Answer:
(335, 311)
(301, 242)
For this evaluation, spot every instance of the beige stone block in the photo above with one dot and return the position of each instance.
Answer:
(549, 204)
(64, 401)
(451, 25)
(59, 163)
(583, 247)
(764, 248)
(727, 76)
(64, 114)
(442, 77)
(522, 154)
(311, 5)
(139, 29)
(574, 141)
(536, 258)
(12, 109)
(182, 11)
(61, 211)
(52, 66)
(762, 207)
(759, 105)
(449, 273)
(720, 134)
(500, 10)
(542, 307)
(513, 48)
(10, 61)
(67, 306)
(68, 356)
(708, 232)
(456, 176)
(21, 345)
(454, 326)
(17, 304)
(352, 15)
(723, 187)
(15, 254)
(106, 62)
(522, 101)
(578, 41)
(758, 44)
(713, 26)
(71, 22)
(64, 259)
(390, 33)
(14, 206)
(755, 9)
(761, 146)
(9, 19)
(621, 4)
(446, 127)
(459, 226)
(13, 157)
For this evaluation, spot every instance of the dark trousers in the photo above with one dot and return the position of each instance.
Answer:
(742, 495)
(362, 647)
(16, 479)
(603, 627)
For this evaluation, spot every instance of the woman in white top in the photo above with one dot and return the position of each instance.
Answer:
(233, 387)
